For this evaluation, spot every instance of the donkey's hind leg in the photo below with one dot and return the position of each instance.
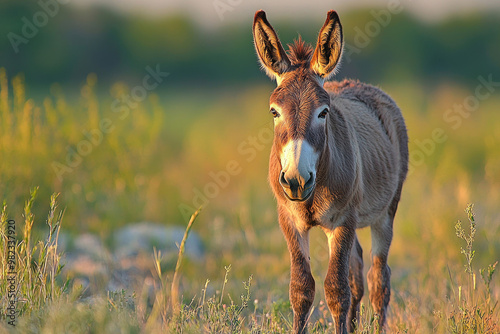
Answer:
(356, 283)
(379, 275)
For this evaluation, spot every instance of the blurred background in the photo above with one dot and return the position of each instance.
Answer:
(144, 110)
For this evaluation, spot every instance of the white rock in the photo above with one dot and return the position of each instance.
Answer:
(142, 237)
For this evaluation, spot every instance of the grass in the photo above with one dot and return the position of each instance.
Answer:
(36, 264)
(168, 149)
(46, 302)
(174, 291)
(471, 314)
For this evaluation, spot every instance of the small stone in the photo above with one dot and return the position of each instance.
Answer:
(143, 237)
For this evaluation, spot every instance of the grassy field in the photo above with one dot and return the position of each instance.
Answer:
(159, 158)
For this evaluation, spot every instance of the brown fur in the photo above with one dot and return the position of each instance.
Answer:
(362, 164)
(299, 52)
(355, 282)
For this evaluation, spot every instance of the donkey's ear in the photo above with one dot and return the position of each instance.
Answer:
(329, 47)
(271, 54)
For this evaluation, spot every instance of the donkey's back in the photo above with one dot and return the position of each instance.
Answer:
(376, 125)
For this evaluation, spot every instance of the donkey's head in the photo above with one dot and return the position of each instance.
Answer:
(299, 105)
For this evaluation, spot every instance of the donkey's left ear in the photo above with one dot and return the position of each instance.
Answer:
(329, 47)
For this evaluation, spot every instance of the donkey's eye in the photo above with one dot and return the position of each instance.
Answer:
(274, 113)
(323, 113)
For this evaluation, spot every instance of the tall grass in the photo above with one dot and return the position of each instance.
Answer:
(109, 182)
(37, 267)
(45, 301)
(174, 291)
(472, 313)
(166, 150)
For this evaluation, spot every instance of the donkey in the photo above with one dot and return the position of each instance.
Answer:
(338, 161)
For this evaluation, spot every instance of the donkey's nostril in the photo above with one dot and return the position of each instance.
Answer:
(291, 183)
(283, 181)
(309, 182)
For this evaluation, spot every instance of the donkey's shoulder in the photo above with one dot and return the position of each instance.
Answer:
(350, 89)
(378, 104)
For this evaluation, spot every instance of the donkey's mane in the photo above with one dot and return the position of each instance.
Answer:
(299, 52)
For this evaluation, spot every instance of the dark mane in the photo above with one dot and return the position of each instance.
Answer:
(299, 52)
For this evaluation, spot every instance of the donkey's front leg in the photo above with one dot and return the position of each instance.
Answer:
(337, 290)
(301, 280)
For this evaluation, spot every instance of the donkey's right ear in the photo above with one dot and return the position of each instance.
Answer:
(271, 54)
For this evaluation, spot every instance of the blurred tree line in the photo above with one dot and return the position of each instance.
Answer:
(66, 43)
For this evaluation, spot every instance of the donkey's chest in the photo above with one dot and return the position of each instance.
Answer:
(306, 217)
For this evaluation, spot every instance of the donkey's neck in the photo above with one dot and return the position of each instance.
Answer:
(337, 168)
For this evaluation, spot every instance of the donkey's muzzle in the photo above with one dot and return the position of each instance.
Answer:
(297, 187)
